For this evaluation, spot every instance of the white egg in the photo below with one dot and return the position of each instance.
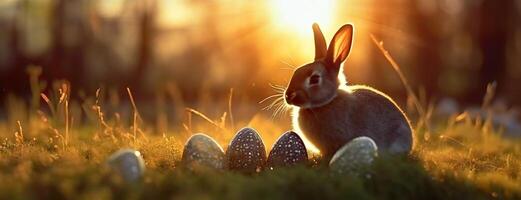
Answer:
(202, 152)
(353, 156)
(128, 163)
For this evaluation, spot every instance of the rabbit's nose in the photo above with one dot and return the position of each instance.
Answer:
(290, 96)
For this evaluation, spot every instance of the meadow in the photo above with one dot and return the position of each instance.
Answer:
(47, 154)
(80, 80)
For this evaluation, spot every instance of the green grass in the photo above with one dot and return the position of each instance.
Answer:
(47, 155)
(465, 160)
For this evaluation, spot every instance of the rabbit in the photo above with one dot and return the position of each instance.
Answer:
(331, 113)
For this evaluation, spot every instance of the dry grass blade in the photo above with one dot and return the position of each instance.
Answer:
(406, 84)
(97, 109)
(291, 67)
(66, 105)
(190, 110)
(455, 141)
(132, 100)
(189, 121)
(98, 92)
(19, 135)
(135, 114)
(489, 95)
(232, 122)
(49, 103)
(177, 99)
(64, 93)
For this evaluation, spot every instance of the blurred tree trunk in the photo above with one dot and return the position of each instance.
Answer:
(14, 79)
(67, 60)
(492, 34)
(55, 65)
(146, 35)
(77, 63)
(427, 26)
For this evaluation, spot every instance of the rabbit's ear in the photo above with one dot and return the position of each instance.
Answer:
(340, 46)
(320, 43)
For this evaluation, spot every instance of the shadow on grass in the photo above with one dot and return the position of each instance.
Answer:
(388, 178)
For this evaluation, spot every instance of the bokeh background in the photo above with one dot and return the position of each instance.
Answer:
(196, 50)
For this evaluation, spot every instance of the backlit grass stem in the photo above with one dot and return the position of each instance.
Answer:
(410, 91)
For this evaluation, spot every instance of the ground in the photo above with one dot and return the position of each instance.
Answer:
(45, 155)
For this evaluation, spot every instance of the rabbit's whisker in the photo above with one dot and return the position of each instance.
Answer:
(287, 108)
(270, 97)
(292, 67)
(273, 115)
(276, 101)
(280, 87)
(279, 105)
(277, 87)
(282, 108)
(286, 68)
(275, 110)
(279, 90)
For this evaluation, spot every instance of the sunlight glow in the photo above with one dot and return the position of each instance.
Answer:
(294, 119)
(176, 13)
(7, 2)
(110, 8)
(299, 15)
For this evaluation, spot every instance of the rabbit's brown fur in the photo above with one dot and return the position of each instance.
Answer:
(363, 111)
(330, 113)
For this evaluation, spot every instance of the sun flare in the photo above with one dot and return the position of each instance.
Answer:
(299, 15)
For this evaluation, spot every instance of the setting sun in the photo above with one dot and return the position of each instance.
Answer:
(298, 15)
(269, 99)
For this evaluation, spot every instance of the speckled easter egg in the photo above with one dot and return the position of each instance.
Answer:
(353, 156)
(246, 152)
(128, 163)
(202, 152)
(287, 151)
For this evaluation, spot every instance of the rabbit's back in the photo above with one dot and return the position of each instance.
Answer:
(357, 111)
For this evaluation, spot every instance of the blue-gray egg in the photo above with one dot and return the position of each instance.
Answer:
(353, 156)
(128, 163)
(287, 151)
(202, 152)
(246, 152)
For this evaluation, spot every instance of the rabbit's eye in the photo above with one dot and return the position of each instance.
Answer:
(314, 79)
